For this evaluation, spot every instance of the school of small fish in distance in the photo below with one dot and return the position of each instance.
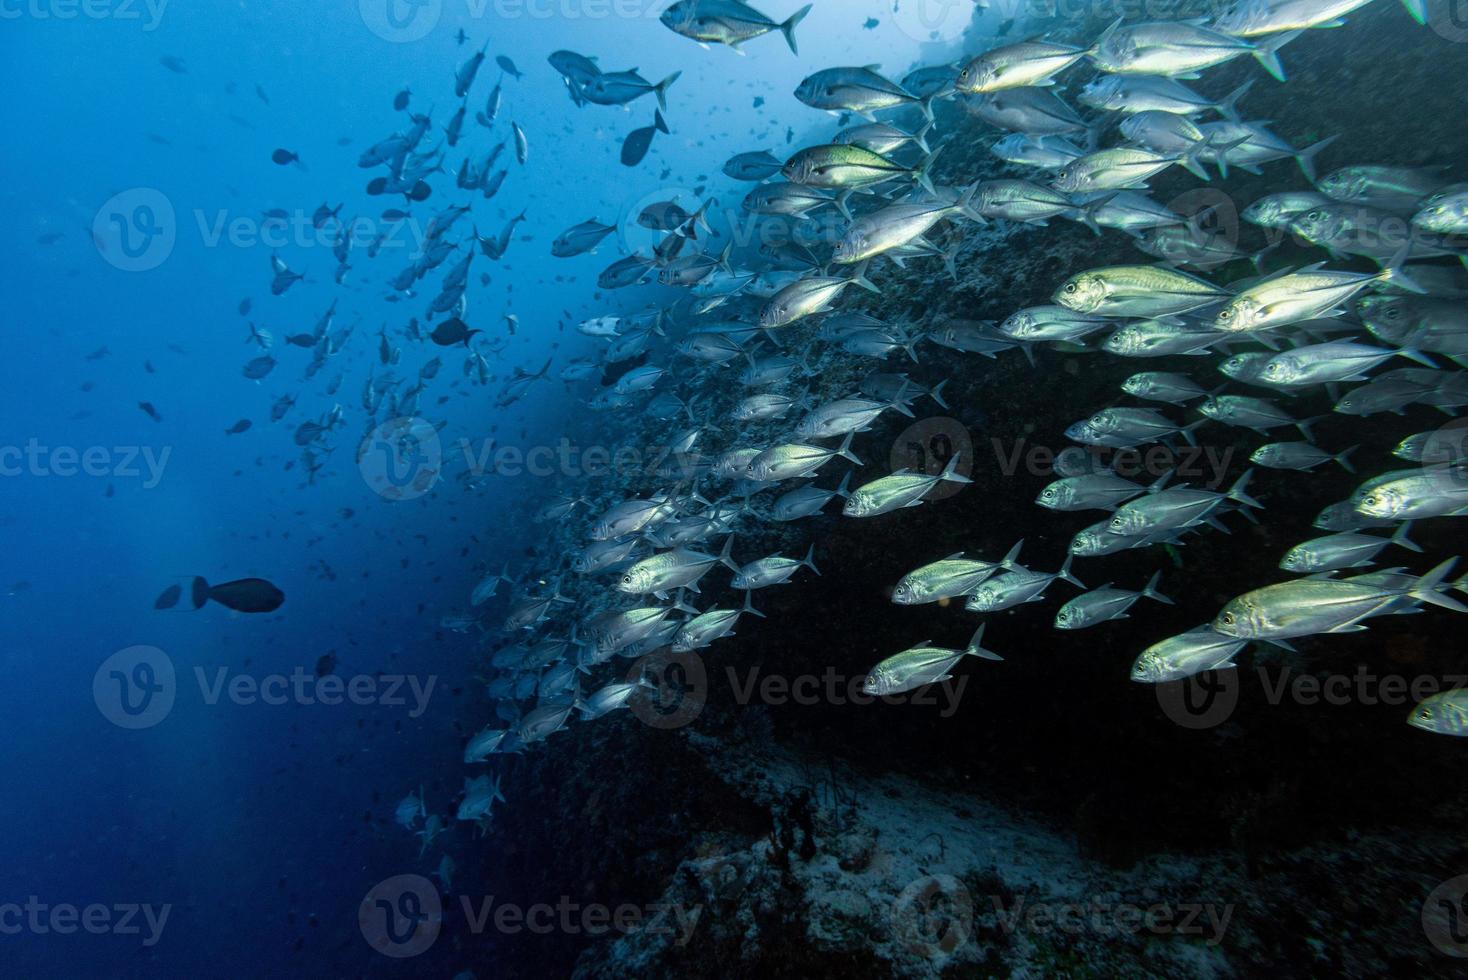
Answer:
(871, 187)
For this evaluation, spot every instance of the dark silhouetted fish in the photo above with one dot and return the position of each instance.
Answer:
(639, 141)
(247, 595)
(451, 332)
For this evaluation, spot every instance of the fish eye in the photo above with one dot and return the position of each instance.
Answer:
(1227, 313)
(1228, 619)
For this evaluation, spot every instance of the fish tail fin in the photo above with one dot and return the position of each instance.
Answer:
(897, 404)
(1344, 458)
(910, 343)
(859, 278)
(1399, 538)
(975, 647)
(726, 556)
(1395, 272)
(843, 489)
(1011, 560)
(921, 136)
(1426, 589)
(788, 28)
(1150, 589)
(1304, 426)
(1229, 107)
(1418, 10)
(749, 605)
(1267, 53)
(950, 471)
(1237, 492)
(936, 393)
(921, 174)
(926, 104)
(1065, 574)
(661, 91)
(845, 451)
(966, 204)
(809, 561)
(1306, 157)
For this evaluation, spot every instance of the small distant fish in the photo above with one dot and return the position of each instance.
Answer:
(240, 426)
(639, 141)
(285, 157)
(259, 367)
(174, 64)
(507, 66)
(325, 664)
(150, 411)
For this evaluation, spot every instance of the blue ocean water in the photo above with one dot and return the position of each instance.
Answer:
(135, 198)
(256, 788)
